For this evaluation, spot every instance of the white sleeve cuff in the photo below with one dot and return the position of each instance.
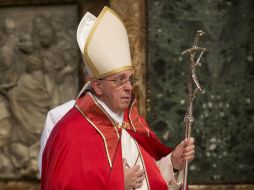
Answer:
(174, 180)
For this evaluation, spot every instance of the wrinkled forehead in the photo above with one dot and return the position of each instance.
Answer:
(122, 74)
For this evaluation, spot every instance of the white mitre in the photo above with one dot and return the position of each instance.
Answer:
(104, 44)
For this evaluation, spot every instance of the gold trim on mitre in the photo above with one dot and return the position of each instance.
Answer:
(88, 61)
(109, 63)
(116, 71)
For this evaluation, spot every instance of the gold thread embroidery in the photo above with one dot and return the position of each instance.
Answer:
(126, 125)
(89, 38)
(130, 116)
(116, 71)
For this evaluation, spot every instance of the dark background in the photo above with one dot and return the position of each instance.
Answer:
(224, 111)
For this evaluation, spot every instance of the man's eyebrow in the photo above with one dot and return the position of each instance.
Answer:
(120, 76)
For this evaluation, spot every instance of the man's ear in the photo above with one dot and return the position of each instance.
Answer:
(96, 87)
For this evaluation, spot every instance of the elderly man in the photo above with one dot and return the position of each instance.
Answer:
(102, 142)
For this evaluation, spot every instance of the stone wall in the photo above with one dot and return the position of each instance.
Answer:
(39, 66)
(224, 112)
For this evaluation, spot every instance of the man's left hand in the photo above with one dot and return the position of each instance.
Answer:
(183, 152)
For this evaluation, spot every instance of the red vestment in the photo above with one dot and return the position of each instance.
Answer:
(84, 150)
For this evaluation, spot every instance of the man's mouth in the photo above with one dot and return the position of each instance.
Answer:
(126, 98)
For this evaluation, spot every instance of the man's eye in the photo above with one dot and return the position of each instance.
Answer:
(120, 80)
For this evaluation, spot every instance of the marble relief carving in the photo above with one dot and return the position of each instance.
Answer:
(38, 70)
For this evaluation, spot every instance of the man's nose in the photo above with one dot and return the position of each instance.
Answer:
(128, 86)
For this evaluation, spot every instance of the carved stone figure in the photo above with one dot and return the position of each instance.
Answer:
(67, 69)
(23, 158)
(5, 122)
(60, 58)
(5, 166)
(38, 70)
(31, 99)
(8, 67)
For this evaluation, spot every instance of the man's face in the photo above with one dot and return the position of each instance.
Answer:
(115, 91)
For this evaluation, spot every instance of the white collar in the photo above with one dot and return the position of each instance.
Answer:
(116, 117)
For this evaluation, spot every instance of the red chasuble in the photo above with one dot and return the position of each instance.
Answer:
(84, 150)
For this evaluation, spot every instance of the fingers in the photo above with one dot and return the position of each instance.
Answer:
(140, 173)
(190, 141)
(189, 148)
(135, 177)
(189, 157)
(136, 167)
(189, 145)
(139, 181)
(135, 171)
(187, 142)
(183, 143)
(180, 148)
(189, 153)
(186, 149)
(141, 178)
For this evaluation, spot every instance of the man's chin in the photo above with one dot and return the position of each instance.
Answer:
(125, 105)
